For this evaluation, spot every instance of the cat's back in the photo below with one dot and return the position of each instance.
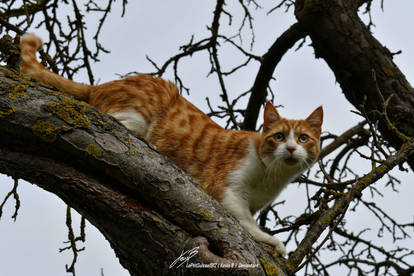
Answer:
(135, 101)
(198, 145)
(146, 94)
(183, 132)
(153, 108)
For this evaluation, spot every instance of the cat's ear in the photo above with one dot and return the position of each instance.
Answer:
(270, 116)
(315, 119)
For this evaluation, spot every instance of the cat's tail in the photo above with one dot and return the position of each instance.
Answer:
(29, 44)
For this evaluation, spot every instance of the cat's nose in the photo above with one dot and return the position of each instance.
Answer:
(291, 149)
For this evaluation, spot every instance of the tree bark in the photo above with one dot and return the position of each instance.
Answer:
(149, 210)
(363, 67)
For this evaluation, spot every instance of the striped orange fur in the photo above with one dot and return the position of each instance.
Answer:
(243, 170)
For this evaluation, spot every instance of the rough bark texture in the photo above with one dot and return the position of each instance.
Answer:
(362, 65)
(148, 209)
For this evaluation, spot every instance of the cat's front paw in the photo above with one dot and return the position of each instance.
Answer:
(261, 236)
(278, 245)
(266, 238)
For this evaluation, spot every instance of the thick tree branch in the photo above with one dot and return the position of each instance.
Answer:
(147, 208)
(346, 44)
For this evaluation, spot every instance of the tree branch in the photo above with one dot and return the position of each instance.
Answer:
(343, 139)
(341, 38)
(147, 208)
(328, 216)
(270, 60)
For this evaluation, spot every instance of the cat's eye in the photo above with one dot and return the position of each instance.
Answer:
(279, 136)
(303, 138)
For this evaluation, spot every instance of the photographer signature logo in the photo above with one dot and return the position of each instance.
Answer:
(184, 257)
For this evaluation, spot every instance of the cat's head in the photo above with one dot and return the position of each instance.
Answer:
(293, 143)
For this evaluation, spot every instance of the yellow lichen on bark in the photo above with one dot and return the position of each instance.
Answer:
(93, 150)
(271, 269)
(46, 130)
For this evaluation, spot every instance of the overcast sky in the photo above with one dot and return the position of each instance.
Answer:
(157, 28)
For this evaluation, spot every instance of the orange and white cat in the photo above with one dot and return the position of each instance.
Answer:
(244, 170)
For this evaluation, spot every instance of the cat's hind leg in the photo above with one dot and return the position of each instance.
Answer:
(132, 120)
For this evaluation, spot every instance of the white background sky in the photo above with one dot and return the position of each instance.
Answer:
(30, 245)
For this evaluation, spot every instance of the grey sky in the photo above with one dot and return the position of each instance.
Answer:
(157, 28)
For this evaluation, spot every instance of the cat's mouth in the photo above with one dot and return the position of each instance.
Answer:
(290, 161)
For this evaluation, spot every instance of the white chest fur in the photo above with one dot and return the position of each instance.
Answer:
(251, 187)
(258, 184)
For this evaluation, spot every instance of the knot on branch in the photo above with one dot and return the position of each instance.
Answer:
(214, 254)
